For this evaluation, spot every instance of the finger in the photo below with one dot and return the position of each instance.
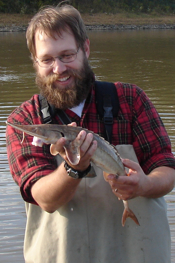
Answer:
(85, 160)
(92, 149)
(120, 190)
(72, 124)
(87, 143)
(79, 139)
(116, 193)
(110, 177)
(131, 164)
(120, 182)
(112, 180)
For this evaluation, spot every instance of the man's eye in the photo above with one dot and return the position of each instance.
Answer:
(47, 61)
(67, 56)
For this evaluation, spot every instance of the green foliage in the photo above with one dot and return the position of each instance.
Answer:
(1, 6)
(146, 6)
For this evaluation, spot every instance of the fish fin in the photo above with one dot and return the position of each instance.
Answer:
(129, 213)
(23, 137)
(72, 153)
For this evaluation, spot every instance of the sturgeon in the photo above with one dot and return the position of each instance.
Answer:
(106, 156)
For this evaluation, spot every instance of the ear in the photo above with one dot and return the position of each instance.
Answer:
(87, 48)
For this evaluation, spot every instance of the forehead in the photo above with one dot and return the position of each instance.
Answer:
(45, 44)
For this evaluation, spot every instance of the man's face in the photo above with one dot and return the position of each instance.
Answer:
(64, 85)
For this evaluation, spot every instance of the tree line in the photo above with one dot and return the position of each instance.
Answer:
(92, 6)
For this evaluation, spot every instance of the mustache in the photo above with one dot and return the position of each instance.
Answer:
(50, 79)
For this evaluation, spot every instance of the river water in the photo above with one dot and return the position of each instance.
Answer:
(145, 58)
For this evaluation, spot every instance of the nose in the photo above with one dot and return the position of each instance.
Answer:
(58, 67)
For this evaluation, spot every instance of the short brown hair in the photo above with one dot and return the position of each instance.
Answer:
(53, 20)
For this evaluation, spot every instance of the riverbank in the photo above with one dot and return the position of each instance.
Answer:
(119, 21)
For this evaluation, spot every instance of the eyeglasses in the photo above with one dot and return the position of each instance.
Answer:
(68, 57)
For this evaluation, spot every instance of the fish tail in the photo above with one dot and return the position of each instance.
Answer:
(129, 213)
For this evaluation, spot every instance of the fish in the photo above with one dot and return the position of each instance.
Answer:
(106, 156)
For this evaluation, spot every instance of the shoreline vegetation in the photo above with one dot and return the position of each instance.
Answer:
(98, 21)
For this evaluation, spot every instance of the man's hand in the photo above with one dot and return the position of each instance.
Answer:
(86, 146)
(127, 187)
(156, 184)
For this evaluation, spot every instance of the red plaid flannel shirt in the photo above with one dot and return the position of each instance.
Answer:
(138, 123)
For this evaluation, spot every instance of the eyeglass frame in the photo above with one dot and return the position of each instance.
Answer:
(60, 58)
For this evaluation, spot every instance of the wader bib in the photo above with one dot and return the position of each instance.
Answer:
(88, 229)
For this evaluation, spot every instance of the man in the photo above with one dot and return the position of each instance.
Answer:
(79, 220)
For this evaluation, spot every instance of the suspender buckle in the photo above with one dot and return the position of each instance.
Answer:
(108, 116)
(46, 115)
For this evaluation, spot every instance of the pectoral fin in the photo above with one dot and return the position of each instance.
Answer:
(72, 150)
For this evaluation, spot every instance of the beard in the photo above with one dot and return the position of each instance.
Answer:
(71, 95)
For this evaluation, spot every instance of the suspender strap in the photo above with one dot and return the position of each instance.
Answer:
(108, 117)
(63, 117)
(45, 109)
(107, 105)
(48, 111)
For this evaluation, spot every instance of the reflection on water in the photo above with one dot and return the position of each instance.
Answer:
(145, 58)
